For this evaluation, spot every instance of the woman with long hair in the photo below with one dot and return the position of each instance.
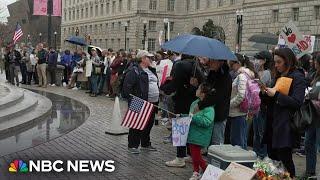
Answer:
(281, 105)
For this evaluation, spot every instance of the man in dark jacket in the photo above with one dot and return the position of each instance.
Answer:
(52, 65)
(14, 58)
(185, 94)
(42, 66)
(141, 81)
(220, 79)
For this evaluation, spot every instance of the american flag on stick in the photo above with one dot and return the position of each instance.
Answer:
(138, 114)
(17, 33)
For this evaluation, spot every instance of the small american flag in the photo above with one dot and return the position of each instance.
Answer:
(17, 34)
(138, 114)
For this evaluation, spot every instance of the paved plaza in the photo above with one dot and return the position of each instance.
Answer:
(89, 141)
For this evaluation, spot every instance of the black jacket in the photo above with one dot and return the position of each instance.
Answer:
(185, 93)
(222, 83)
(280, 110)
(136, 82)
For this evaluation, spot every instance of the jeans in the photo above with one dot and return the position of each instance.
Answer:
(23, 69)
(238, 131)
(14, 71)
(94, 83)
(312, 137)
(258, 130)
(101, 82)
(218, 132)
(52, 72)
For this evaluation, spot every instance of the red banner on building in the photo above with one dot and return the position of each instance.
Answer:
(40, 7)
(56, 8)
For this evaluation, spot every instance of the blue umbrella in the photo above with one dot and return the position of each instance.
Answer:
(199, 46)
(76, 40)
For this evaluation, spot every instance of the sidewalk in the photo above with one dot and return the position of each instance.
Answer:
(89, 141)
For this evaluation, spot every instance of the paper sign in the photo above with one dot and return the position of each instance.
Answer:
(212, 173)
(88, 68)
(180, 130)
(310, 40)
(40, 7)
(295, 40)
(283, 85)
(237, 171)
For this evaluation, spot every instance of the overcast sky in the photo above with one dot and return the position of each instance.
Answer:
(3, 9)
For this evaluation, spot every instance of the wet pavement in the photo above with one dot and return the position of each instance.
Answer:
(67, 114)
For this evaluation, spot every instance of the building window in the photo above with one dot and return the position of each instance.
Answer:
(151, 44)
(87, 12)
(100, 29)
(208, 3)
(97, 10)
(81, 13)
(120, 5)
(112, 27)
(171, 26)
(95, 29)
(91, 11)
(317, 12)
(107, 8)
(128, 25)
(153, 4)
(275, 16)
(119, 43)
(107, 26)
(295, 14)
(69, 15)
(187, 5)
(86, 29)
(101, 10)
(220, 3)
(152, 25)
(112, 43)
(73, 14)
(232, 2)
(171, 5)
(317, 44)
(65, 16)
(90, 29)
(100, 42)
(198, 4)
(113, 6)
(106, 43)
(78, 13)
(129, 4)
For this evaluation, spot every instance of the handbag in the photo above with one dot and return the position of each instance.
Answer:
(302, 118)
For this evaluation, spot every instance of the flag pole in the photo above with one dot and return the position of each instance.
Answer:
(157, 106)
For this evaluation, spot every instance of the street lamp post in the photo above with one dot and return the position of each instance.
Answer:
(77, 34)
(144, 34)
(166, 29)
(239, 14)
(40, 36)
(28, 39)
(125, 35)
(55, 40)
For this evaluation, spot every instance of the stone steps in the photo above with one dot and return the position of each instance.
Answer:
(21, 109)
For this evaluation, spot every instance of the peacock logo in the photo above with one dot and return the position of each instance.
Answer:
(18, 166)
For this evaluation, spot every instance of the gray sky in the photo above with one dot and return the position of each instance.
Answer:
(3, 9)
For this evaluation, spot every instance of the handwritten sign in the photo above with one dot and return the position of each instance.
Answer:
(237, 171)
(309, 39)
(180, 130)
(295, 40)
(212, 173)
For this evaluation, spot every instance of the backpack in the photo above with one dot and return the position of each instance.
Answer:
(129, 67)
(252, 101)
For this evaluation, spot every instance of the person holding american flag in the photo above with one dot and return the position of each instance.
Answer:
(141, 89)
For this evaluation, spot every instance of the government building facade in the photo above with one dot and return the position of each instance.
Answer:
(125, 24)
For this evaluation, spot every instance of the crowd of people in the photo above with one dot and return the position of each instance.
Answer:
(211, 91)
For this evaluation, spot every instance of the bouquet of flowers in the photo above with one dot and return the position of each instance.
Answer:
(270, 170)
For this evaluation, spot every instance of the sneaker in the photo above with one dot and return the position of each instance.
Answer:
(195, 176)
(64, 84)
(134, 150)
(75, 88)
(177, 162)
(148, 148)
(49, 84)
(53, 85)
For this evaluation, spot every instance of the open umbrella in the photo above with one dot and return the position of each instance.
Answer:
(264, 38)
(99, 50)
(77, 40)
(199, 46)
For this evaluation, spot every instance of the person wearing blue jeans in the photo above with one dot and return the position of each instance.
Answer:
(238, 131)
(258, 129)
(218, 132)
(312, 136)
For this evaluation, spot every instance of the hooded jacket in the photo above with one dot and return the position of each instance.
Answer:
(239, 86)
